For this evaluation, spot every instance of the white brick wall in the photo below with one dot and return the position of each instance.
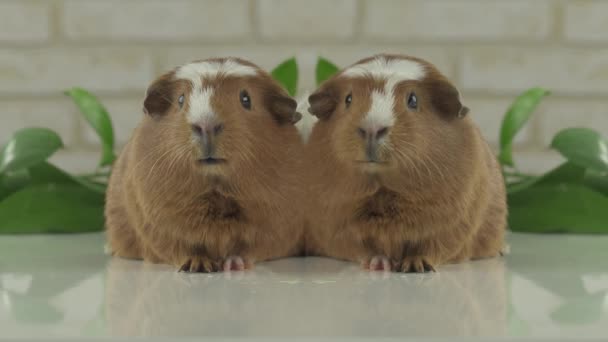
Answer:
(586, 21)
(566, 71)
(24, 22)
(457, 20)
(310, 20)
(51, 70)
(156, 20)
(491, 49)
(57, 115)
(557, 114)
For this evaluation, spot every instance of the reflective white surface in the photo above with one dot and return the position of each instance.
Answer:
(64, 286)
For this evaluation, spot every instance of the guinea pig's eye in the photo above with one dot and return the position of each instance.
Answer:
(245, 100)
(412, 101)
(180, 101)
(348, 100)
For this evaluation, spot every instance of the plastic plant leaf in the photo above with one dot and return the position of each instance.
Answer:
(286, 73)
(48, 173)
(516, 117)
(324, 70)
(597, 181)
(97, 116)
(28, 147)
(12, 182)
(52, 208)
(553, 208)
(565, 173)
(584, 147)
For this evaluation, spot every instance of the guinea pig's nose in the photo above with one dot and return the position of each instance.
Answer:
(201, 130)
(372, 133)
(372, 136)
(207, 134)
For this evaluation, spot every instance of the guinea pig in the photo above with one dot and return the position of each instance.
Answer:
(205, 181)
(400, 176)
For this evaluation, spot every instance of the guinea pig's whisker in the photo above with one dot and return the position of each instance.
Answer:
(174, 161)
(156, 163)
(425, 160)
(153, 151)
(409, 161)
(149, 155)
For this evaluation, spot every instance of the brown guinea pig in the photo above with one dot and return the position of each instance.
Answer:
(401, 178)
(206, 180)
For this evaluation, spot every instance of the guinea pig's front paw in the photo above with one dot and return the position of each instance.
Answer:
(377, 263)
(235, 263)
(415, 264)
(201, 264)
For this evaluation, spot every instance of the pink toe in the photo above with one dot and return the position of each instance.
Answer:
(379, 263)
(234, 263)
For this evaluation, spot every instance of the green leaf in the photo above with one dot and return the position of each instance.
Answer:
(584, 147)
(567, 173)
(286, 73)
(568, 208)
(521, 184)
(517, 116)
(52, 208)
(48, 173)
(28, 147)
(564, 173)
(43, 173)
(325, 69)
(12, 182)
(98, 117)
(597, 181)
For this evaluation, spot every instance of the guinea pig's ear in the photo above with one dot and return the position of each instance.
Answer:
(282, 107)
(323, 103)
(158, 97)
(446, 99)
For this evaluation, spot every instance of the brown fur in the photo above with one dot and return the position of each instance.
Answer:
(437, 195)
(164, 207)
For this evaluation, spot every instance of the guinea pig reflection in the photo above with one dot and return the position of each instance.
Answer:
(324, 298)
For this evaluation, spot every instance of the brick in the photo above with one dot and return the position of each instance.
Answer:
(22, 21)
(558, 114)
(488, 113)
(586, 21)
(270, 56)
(156, 20)
(54, 114)
(54, 70)
(456, 20)
(125, 114)
(563, 70)
(307, 20)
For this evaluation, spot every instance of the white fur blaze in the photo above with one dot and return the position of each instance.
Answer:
(200, 106)
(195, 72)
(393, 72)
(308, 121)
(380, 114)
(200, 99)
